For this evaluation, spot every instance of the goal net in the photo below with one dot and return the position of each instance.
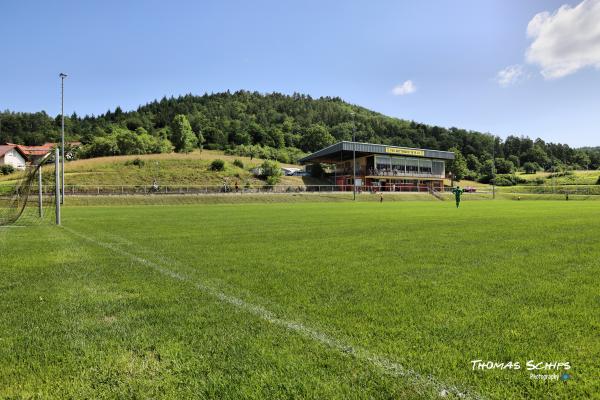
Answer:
(28, 197)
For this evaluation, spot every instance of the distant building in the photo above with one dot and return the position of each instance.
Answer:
(382, 167)
(35, 153)
(10, 154)
(287, 171)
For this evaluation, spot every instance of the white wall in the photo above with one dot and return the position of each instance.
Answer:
(14, 158)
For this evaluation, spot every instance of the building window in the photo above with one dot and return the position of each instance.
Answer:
(438, 168)
(398, 165)
(425, 167)
(382, 164)
(412, 165)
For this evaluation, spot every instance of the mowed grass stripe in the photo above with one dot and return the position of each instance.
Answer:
(81, 322)
(423, 283)
(424, 384)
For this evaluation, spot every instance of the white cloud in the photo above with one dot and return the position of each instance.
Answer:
(510, 75)
(566, 40)
(407, 87)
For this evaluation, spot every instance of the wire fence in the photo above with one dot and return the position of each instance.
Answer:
(103, 190)
(587, 190)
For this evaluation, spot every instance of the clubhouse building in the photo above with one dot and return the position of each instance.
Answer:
(382, 167)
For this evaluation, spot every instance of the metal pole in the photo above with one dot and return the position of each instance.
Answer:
(57, 184)
(40, 205)
(62, 135)
(353, 158)
(494, 168)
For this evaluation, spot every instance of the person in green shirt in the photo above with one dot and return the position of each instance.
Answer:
(457, 193)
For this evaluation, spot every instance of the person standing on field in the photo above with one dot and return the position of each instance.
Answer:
(457, 193)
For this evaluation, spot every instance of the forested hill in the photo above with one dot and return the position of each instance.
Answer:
(284, 125)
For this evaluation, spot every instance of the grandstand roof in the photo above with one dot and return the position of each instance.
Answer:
(343, 150)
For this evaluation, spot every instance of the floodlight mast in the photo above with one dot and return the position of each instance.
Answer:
(353, 157)
(62, 134)
(57, 184)
(494, 168)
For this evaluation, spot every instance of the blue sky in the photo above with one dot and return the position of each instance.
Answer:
(127, 53)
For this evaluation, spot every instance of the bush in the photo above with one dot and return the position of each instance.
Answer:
(598, 181)
(560, 174)
(272, 180)
(271, 171)
(217, 165)
(238, 163)
(507, 180)
(502, 181)
(471, 175)
(138, 162)
(7, 169)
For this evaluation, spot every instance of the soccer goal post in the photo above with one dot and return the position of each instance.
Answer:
(28, 196)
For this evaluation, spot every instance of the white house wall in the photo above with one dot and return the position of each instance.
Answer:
(14, 158)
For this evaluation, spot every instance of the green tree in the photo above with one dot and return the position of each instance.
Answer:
(215, 137)
(581, 159)
(487, 171)
(531, 167)
(504, 166)
(515, 160)
(183, 138)
(458, 166)
(129, 142)
(102, 146)
(316, 137)
(473, 163)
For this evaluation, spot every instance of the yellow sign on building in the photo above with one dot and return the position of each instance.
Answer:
(405, 152)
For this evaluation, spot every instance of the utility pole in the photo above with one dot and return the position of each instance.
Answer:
(57, 185)
(353, 158)
(494, 167)
(62, 135)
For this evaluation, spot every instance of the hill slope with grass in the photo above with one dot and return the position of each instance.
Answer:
(167, 169)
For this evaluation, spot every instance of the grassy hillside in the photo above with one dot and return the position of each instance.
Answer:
(576, 178)
(194, 169)
(167, 169)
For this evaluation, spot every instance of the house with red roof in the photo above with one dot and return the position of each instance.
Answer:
(10, 154)
(35, 153)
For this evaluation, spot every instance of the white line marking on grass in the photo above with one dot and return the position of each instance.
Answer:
(427, 382)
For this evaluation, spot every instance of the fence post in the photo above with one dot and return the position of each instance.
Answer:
(40, 193)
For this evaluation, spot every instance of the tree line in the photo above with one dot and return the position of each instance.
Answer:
(283, 126)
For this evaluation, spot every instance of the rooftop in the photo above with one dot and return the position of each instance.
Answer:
(343, 151)
(5, 148)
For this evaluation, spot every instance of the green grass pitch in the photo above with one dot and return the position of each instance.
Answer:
(306, 300)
